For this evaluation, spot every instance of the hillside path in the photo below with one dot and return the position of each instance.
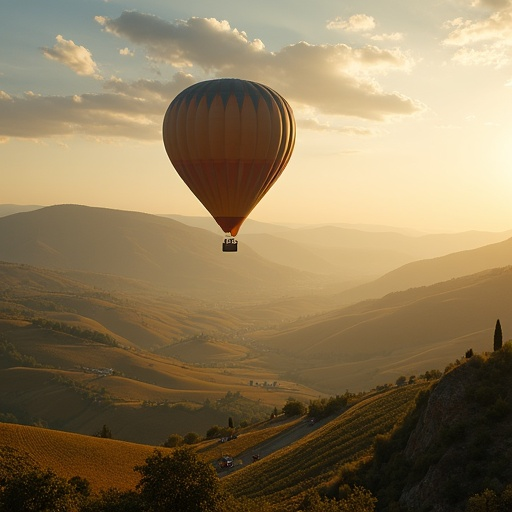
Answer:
(281, 440)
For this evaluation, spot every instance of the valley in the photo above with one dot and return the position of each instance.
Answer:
(167, 346)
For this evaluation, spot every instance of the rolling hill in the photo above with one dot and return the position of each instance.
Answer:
(109, 463)
(57, 335)
(434, 270)
(403, 333)
(160, 251)
(435, 445)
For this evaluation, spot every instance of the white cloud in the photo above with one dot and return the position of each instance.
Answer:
(394, 36)
(356, 23)
(486, 41)
(492, 55)
(124, 110)
(498, 26)
(332, 80)
(77, 58)
(346, 73)
(127, 52)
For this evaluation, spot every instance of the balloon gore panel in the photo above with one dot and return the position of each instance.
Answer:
(229, 140)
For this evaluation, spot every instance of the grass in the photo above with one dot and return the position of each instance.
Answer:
(281, 477)
(103, 462)
(316, 458)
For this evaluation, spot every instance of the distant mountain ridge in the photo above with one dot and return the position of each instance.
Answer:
(347, 254)
(162, 251)
(408, 331)
(430, 271)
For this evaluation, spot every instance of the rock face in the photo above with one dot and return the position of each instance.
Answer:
(461, 443)
(445, 408)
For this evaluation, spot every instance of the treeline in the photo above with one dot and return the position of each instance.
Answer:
(79, 332)
(180, 481)
(318, 409)
(9, 356)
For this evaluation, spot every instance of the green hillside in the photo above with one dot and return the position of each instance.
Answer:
(315, 460)
(441, 445)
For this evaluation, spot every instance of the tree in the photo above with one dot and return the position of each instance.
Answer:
(359, 499)
(113, 500)
(25, 486)
(180, 481)
(498, 336)
(213, 431)
(401, 381)
(173, 441)
(105, 432)
(294, 408)
(230, 422)
(191, 438)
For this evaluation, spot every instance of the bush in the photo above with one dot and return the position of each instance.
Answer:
(294, 408)
(173, 441)
(180, 481)
(191, 438)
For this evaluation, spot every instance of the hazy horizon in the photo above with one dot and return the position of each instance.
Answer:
(400, 118)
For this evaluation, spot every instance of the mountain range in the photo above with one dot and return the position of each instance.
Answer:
(163, 287)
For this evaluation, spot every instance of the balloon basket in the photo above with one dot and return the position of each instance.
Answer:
(229, 244)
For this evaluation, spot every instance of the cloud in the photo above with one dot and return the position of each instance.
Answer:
(356, 23)
(394, 36)
(333, 80)
(316, 125)
(127, 52)
(77, 58)
(498, 26)
(486, 41)
(346, 73)
(133, 110)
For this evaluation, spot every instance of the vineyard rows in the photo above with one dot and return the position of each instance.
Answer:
(316, 457)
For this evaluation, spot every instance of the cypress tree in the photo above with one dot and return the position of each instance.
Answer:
(498, 336)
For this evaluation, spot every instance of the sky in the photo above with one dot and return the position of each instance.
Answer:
(403, 107)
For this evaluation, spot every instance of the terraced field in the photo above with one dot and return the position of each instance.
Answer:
(315, 459)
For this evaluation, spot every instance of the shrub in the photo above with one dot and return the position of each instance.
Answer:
(294, 408)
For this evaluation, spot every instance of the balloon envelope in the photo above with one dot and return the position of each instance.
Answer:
(229, 140)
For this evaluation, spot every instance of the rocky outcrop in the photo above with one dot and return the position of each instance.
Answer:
(436, 442)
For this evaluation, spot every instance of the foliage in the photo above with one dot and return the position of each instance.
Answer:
(490, 501)
(294, 407)
(25, 486)
(239, 408)
(324, 407)
(173, 441)
(498, 336)
(79, 332)
(105, 432)
(180, 481)
(191, 438)
(9, 356)
(317, 458)
(113, 500)
(473, 446)
(357, 500)
(431, 375)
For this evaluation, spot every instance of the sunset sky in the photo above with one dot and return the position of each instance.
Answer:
(403, 107)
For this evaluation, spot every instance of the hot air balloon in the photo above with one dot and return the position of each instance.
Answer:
(229, 140)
